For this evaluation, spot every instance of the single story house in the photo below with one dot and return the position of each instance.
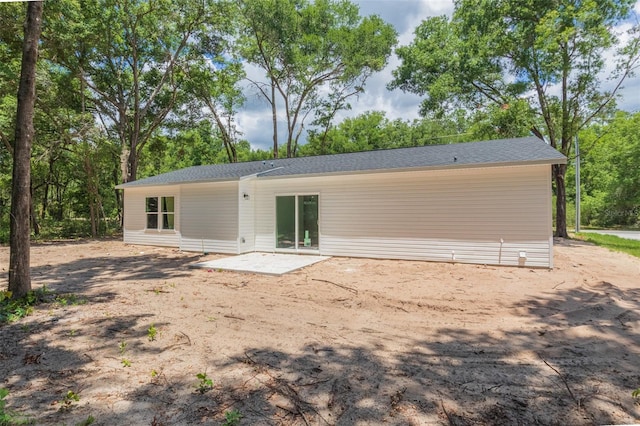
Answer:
(479, 202)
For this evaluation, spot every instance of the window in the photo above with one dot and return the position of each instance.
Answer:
(160, 212)
(167, 212)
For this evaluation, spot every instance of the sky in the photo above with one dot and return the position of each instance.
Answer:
(254, 120)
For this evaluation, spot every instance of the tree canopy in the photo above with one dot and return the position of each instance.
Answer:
(610, 176)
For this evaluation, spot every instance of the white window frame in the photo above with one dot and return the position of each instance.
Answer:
(160, 214)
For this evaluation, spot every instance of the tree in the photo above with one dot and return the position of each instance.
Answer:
(548, 53)
(610, 173)
(132, 57)
(217, 87)
(190, 147)
(307, 47)
(372, 130)
(19, 259)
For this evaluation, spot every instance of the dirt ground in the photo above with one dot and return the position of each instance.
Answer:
(346, 341)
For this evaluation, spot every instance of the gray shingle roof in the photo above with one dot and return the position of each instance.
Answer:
(530, 150)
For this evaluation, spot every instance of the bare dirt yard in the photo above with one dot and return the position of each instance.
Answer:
(345, 341)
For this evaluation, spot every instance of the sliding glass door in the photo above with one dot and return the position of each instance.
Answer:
(297, 222)
(286, 222)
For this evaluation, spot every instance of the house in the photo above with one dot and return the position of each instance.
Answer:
(479, 202)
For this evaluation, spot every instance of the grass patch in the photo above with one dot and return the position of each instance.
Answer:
(9, 417)
(612, 242)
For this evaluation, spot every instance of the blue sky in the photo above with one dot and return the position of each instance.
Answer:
(405, 15)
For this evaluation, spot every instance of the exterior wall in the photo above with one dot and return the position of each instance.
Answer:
(135, 217)
(484, 215)
(246, 215)
(209, 213)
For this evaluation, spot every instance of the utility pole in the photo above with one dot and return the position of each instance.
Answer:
(577, 186)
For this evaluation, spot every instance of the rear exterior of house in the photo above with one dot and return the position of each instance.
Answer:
(455, 203)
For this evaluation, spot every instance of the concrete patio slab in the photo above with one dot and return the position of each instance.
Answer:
(262, 263)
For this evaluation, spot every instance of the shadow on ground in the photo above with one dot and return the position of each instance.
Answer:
(576, 363)
(46, 362)
(548, 374)
(85, 273)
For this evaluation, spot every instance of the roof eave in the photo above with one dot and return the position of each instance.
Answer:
(452, 166)
(133, 184)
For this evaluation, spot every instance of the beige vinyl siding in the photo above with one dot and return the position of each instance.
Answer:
(135, 217)
(447, 215)
(209, 213)
(246, 215)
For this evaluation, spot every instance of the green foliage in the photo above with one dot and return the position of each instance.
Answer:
(232, 418)
(69, 299)
(152, 333)
(509, 120)
(125, 362)
(192, 147)
(12, 310)
(372, 130)
(67, 402)
(122, 347)
(612, 242)
(88, 421)
(610, 172)
(205, 383)
(636, 393)
(8, 417)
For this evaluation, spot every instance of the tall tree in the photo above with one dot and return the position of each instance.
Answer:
(306, 47)
(215, 83)
(132, 57)
(20, 258)
(549, 53)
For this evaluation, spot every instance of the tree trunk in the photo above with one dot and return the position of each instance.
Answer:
(45, 200)
(32, 212)
(91, 191)
(19, 258)
(124, 164)
(133, 162)
(92, 214)
(559, 172)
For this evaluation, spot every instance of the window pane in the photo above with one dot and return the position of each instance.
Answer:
(167, 204)
(152, 221)
(308, 221)
(167, 221)
(286, 222)
(152, 204)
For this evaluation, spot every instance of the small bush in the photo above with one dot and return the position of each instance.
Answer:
(13, 309)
